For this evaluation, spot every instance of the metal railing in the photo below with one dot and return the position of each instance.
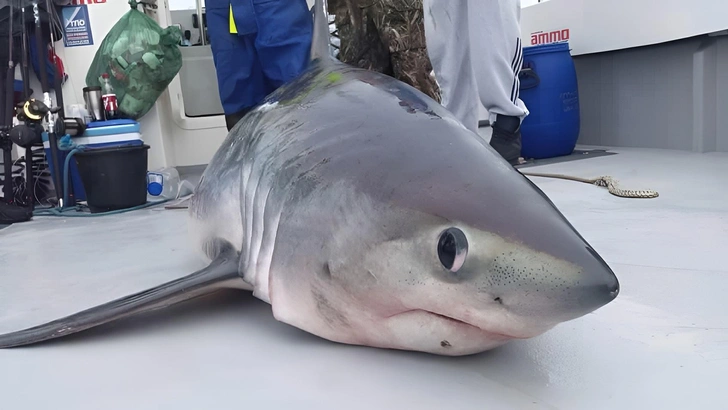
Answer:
(201, 23)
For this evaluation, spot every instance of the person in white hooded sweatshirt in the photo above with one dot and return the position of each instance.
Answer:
(476, 53)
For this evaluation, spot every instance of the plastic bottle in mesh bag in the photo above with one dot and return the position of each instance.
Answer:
(141, 58)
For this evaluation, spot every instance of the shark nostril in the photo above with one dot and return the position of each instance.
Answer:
(612, 285)
(606, 274)
(499, 300)
(614, 290)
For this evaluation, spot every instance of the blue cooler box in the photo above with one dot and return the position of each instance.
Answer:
(114, 133)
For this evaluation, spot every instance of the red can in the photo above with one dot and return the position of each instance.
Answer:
(108, 97)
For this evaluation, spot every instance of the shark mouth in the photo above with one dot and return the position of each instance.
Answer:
(462, 324)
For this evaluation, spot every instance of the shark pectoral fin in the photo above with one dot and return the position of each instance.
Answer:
(222, 272)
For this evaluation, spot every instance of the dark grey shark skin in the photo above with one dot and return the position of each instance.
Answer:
(366, 214)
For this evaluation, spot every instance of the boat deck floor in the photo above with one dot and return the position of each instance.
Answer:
(662, 344)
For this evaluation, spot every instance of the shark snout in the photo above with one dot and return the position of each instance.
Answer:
(549, 289)
(601, 284)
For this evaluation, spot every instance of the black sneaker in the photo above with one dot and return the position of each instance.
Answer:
(506, 138)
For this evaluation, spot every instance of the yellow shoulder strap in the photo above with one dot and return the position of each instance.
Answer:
(233, 28)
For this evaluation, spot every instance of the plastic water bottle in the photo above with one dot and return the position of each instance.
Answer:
(163, 184)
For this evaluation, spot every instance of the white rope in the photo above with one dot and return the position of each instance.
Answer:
(603, 181)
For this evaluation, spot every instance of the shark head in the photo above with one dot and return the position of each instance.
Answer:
(421, 237)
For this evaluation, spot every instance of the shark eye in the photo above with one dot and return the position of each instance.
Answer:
(452, 248)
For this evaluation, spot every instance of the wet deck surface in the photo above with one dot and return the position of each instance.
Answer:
(663, 344)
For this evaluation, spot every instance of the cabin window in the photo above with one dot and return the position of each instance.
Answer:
(197, 75)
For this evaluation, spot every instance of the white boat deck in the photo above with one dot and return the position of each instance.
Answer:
(662, 344)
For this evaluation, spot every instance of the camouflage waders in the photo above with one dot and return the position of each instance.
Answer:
(387, 36)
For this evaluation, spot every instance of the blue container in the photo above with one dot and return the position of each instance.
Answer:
(111, 127)
(74, 178)
(550, 91)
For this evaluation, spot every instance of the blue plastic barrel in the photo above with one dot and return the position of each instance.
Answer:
(550, 91)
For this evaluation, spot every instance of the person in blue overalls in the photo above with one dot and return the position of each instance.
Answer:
(257, 46)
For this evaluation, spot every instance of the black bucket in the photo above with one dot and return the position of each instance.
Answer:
(114, 178)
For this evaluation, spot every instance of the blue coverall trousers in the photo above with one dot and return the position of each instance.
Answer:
(271, 47)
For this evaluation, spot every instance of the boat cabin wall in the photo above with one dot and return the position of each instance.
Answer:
(186, 125)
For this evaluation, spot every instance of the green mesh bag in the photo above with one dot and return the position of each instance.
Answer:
(141, 59)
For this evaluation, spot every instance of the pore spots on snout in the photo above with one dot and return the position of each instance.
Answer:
(514, 269)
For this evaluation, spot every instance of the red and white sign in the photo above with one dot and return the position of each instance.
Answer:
(549, 37)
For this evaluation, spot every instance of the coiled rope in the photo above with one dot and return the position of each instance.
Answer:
(603, 181)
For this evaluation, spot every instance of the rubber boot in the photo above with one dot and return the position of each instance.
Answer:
(232, 119)
(506, 138)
